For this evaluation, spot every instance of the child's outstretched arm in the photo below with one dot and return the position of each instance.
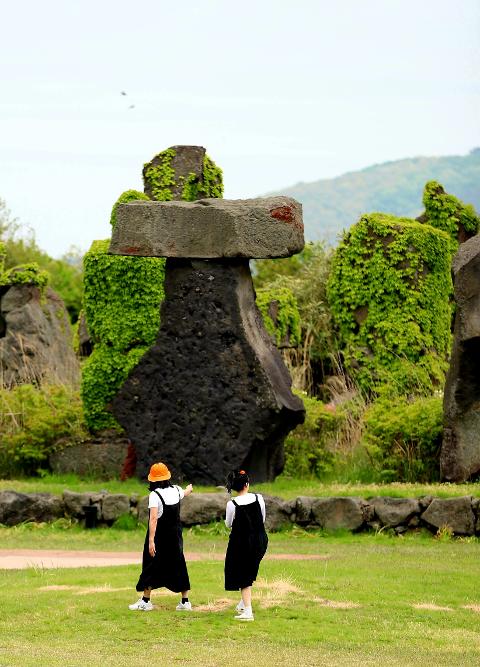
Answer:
(152, 527)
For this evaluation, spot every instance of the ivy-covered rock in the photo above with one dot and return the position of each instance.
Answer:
(389, 292)
(26, 274)
(123, 294)
(280, 315)
(449, 214)
(122, 309)
(182, 172)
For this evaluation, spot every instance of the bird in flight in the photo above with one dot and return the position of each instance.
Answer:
(124, 94)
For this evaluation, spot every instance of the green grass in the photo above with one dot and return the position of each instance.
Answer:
(284, 487)
(353, 608)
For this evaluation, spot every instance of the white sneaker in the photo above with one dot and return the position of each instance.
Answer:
(184, 606)
(244, 616)
(240, 607)
(141, 605)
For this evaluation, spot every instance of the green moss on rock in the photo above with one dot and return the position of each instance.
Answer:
(446, 212)
(212, 185)
(160, 175)
(26, 274)
(125, 197)
(389, 294)
(163, 184)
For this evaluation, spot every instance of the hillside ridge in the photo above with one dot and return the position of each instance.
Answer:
(396, 187)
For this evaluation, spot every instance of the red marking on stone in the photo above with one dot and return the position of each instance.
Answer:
(284, 213)
(131, 250)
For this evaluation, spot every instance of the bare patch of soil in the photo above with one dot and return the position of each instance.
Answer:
(85, 590)
(430, 606)
(336, 604)
(216, 605)
(275, 592)
(16, 559)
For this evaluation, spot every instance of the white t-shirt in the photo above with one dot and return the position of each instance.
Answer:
(170, 496)
(247, 499)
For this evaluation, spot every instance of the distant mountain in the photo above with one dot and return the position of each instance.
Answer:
(330, 205)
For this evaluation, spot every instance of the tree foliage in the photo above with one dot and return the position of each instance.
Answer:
(305, 276)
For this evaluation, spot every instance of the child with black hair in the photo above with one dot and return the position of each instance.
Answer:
(163, 563)
(248, 541)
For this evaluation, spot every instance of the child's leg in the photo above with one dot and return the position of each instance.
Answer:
(247, 596)
(184, 604)
(146, 594)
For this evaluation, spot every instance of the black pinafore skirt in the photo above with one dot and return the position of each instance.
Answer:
(167, 568)
(246, 546)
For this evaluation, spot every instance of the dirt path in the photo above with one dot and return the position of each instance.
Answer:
(17, 559)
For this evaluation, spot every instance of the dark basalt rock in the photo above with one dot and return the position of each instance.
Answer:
(35, 337)
(454, 513)
(17, 507)
(212, 393)
(460, 454)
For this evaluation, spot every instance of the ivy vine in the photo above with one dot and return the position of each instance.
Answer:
(122, 310)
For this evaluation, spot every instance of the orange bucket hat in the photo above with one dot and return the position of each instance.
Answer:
(159, 473)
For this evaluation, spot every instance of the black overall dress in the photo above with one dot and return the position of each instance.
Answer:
(246, 546)
(167, 568)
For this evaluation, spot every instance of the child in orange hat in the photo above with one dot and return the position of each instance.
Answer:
(163, 563)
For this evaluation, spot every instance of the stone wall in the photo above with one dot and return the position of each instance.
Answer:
(101, 456)
(460, 515)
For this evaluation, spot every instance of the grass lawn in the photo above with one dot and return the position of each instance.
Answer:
(284, 487)
(372, 600)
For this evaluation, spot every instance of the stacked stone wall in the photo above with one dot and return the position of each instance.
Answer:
(459, 516)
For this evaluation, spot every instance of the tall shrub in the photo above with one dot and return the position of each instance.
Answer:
(32, 421)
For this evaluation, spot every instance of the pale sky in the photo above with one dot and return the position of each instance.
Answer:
(278, 91)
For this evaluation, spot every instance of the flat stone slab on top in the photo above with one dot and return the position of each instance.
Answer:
(210, 228)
